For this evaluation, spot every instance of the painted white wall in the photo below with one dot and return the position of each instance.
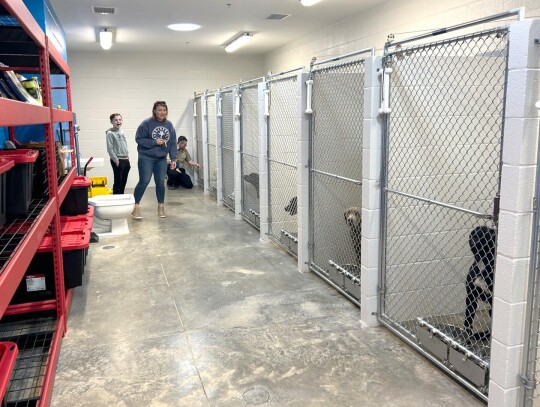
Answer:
(403, 18)
(129, 83)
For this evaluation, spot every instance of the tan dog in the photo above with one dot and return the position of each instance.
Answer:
(353, 217)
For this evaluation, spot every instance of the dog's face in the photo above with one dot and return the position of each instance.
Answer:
(353, 216)
(292, 206)
(483, 243)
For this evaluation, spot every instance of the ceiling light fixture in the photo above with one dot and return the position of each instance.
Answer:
(105, 38)
(184, 27)
(309, 3)
(238, 42)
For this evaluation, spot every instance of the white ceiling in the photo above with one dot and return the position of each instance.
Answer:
(140, 25)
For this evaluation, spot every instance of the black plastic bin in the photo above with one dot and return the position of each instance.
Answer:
(5, 165)
(76, 202)
(38, 281)
(19, 180)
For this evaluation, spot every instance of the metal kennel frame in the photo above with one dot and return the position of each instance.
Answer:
(198, 117)
(212, 143)
(227, 148)
(442, 145)
(249, 150)
(283, 131)
(336, 142)
(530, 377)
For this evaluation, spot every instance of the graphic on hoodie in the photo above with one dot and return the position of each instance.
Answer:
(161, 132)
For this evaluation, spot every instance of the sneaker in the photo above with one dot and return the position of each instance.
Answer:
(161, 211)
(170, 187)
(136, 214)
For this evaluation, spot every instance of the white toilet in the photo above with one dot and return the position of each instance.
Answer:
(111, 213)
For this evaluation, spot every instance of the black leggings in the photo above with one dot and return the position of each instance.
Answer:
(120, 172)
(178, 179)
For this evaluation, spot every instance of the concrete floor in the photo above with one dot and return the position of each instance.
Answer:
(194, 310)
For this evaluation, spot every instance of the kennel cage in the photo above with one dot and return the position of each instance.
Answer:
(226, 119)
(211, 142)
(198, 117)
(530, 374)
(283, 131)
(442, 146)
(249, 151)
(336, 140)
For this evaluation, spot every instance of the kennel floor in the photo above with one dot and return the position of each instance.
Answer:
(196, 310)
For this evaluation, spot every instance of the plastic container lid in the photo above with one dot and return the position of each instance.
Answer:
(20, 156)
(70, 241)
(81, 182)
(76, 225)
(89, 214)
(6, 165)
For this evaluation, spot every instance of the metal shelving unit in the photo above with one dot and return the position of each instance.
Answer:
(37, 327)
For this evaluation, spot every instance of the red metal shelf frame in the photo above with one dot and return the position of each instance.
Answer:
(16, 113)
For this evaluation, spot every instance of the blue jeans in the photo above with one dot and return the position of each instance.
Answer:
(147, 166)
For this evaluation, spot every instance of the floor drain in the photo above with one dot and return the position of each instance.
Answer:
(109, 247)
(256, 396)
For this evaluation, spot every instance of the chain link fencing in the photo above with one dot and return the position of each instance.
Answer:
(249, 153)
(442, 174)
(227, 148)
(212, 142)
(283, 131)
(199, 140)
(530, 377)
(336, 174)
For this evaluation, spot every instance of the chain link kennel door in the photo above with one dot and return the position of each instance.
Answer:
(212, 141)
(199, 139)
(249, 153)
(530, 377)
(442, 170)
(227, 148)
(283, 129)
(336, 174)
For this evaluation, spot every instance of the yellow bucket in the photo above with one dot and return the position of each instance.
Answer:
(95, 191)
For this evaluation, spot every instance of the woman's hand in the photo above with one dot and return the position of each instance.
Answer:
(173, 165)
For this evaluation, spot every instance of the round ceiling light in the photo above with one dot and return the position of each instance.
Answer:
(184, 27)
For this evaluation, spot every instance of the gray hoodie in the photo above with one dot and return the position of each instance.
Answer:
(116, 144)
(148, 132)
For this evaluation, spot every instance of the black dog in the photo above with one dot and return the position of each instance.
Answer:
(253, 179)
(482, 242)
(292, 207)
(353, 217)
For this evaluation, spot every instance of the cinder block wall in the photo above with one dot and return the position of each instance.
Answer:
(370, 28)
(129, 83)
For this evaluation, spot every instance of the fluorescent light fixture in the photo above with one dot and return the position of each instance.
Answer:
(184, 27)
(105, 38)
(238, 42)
(309, 3)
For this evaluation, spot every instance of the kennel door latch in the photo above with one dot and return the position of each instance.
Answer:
(218, 105)
(267, 102)
(385, 90)
(309, 86)
(237, 97)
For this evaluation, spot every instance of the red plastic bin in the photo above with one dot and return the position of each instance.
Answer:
(78, 222)
(5, 165)
(19, 180)
(76, 201)
(38, 282)
(8, 354)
